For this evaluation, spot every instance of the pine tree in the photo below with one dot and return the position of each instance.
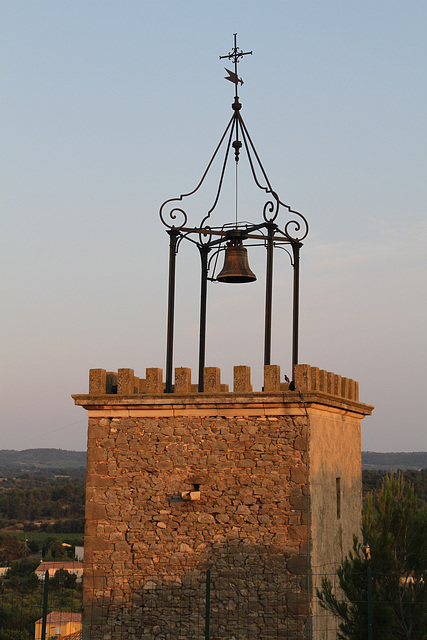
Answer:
(389, 571)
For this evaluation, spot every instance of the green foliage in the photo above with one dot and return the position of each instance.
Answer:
(11, 548)
(372, 481)
(28, 499)
(56, 552)
(393, 561)
(21, 599)
(33, 546)
(21, 577)
(15, 634)
(41, 536)
(57, 549)
(63, 580)
(18, 612)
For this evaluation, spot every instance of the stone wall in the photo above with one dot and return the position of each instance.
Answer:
(184, 482)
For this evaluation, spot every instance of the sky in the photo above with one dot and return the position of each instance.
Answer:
(110, 108)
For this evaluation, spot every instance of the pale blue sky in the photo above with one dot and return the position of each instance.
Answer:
(109, 108)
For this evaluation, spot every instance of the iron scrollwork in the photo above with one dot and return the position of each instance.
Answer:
(271, 231)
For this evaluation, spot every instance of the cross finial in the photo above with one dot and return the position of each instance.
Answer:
(234, 55)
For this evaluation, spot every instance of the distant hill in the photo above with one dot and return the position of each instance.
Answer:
(50, 461)
(394, 461)
(63, 461)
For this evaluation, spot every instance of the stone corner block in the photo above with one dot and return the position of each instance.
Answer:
(97, 381)
(356, 391)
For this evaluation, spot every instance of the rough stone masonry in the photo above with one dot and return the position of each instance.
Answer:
(261, 488)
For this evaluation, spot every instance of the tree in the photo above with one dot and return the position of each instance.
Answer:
(384, 581)
(63, 580)
(11, 548)
(21, 575)
(56, 552)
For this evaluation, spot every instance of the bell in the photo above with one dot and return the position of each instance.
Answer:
(236, 267)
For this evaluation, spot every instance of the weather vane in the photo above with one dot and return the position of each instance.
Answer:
(235, 56)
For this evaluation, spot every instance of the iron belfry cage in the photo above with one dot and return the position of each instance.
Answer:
(271, 232)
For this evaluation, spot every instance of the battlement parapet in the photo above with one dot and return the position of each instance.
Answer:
(307, 379)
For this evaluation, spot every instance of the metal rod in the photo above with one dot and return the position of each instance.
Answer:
(245, 232)
(296, 251)
(45, 600)
(268, 295)
(370, 634)
(204, 250)
(173, 234)
(208, 604)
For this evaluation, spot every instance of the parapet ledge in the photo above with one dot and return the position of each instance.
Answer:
(307, 379)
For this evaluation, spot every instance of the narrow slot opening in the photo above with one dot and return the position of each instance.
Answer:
(338, 489)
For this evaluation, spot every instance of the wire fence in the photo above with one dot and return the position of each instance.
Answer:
(206, 604)
(26, 601)
(216, 603)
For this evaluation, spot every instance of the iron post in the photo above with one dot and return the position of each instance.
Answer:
(45, 601)
(208, 605)
(204, 250)
(173, 235)
(295, 320)
(268, 293)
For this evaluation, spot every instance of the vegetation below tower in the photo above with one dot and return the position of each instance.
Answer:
(42, 491)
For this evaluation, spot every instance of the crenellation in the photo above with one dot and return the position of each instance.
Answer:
(337, 385)
(154, 380)
(306, 379)
(242, 379)
(182, 380)
(351, 389)
(330, 383)
(271, 378)
(302, 378)
(97, 381)
(125, 382)
(314, 379)
(212, 378)
(323, 380)
(345, 387)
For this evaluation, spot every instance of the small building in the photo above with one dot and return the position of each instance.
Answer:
(74, 636)
(74, 568)
(59, 624)
(79, 553)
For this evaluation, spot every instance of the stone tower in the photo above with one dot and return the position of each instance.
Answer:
(262, 489)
